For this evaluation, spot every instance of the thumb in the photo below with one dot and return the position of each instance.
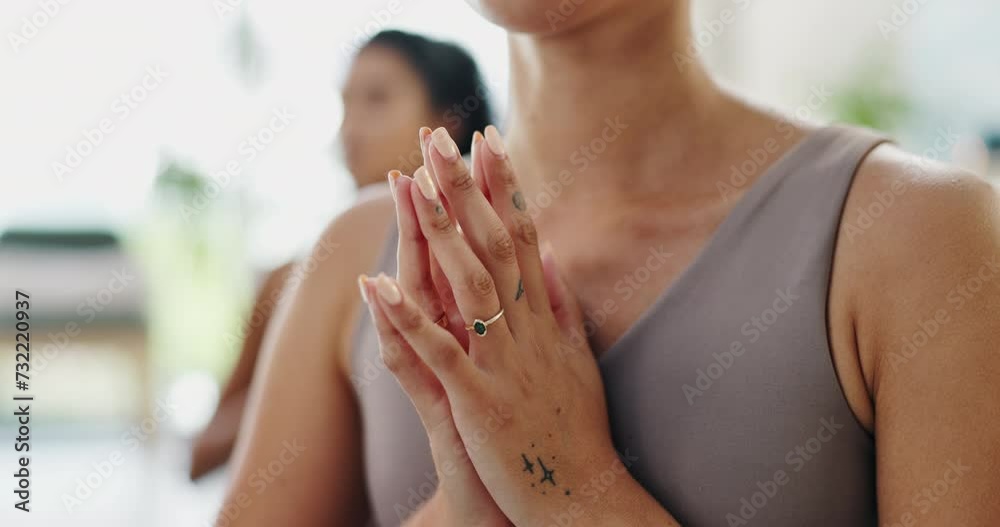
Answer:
(564, 304)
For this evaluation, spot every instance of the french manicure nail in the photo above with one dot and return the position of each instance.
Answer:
(495, 142)
(392, 177)
(425, 147)
(388, 290)
(476, 139)
(363, 285)
(546, 251)
(426, 184)
(444, 144)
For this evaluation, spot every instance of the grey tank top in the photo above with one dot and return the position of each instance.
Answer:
(723, 399)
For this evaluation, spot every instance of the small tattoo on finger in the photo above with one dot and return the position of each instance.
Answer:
(518, 200)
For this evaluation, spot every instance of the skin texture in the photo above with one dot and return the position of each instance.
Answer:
(462, 499)
(932, 415)
(323, 485)
(934, 409)
(972, 203)
(530, 384)
(213, 445)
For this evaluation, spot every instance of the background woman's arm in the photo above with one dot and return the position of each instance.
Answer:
(298, 460)
(215, 443)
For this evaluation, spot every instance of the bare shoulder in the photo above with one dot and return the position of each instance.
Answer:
(307, 350)
(353, 239)
(347, 247)
(914, 234)
(908, 216)
(919, 258)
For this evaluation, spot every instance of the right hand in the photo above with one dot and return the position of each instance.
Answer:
(460, 499)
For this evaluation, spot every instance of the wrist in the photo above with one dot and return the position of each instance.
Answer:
(437, 512)
(428, 515)
(611, 497)
(607, 491)
(583, 493)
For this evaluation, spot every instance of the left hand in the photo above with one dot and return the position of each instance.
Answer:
(527, 399)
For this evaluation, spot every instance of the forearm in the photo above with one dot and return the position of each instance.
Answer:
(428, 515)
(214, 445)
(603, 494)
(624, 504)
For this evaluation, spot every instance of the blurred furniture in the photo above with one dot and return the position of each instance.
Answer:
(90, 357)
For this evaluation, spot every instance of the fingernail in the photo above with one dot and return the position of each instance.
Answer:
(444, 144)
(426, 184)
(425, 147)
(495, 142)
(392, 177)
(546, 251)
(476, 139)
(363, 285)
(388, 290)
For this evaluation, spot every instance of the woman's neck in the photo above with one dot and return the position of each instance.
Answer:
(608, 102)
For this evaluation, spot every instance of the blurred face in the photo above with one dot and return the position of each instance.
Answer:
(385, 103)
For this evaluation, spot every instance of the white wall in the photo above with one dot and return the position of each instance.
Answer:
(66, 78)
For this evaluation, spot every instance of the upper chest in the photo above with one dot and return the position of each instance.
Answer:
(629, 267)
(620, 267)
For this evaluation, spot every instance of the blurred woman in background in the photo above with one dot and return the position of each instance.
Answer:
(743, 320)
(398, 82)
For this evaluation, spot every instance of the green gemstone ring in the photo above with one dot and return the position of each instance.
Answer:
(479, 326)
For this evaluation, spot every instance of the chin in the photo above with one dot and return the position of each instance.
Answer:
(536, 16)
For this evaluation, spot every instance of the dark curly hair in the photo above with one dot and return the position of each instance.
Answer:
(452, 78)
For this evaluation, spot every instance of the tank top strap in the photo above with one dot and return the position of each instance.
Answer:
(385, 263)
(833, 162)
(805, 191)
